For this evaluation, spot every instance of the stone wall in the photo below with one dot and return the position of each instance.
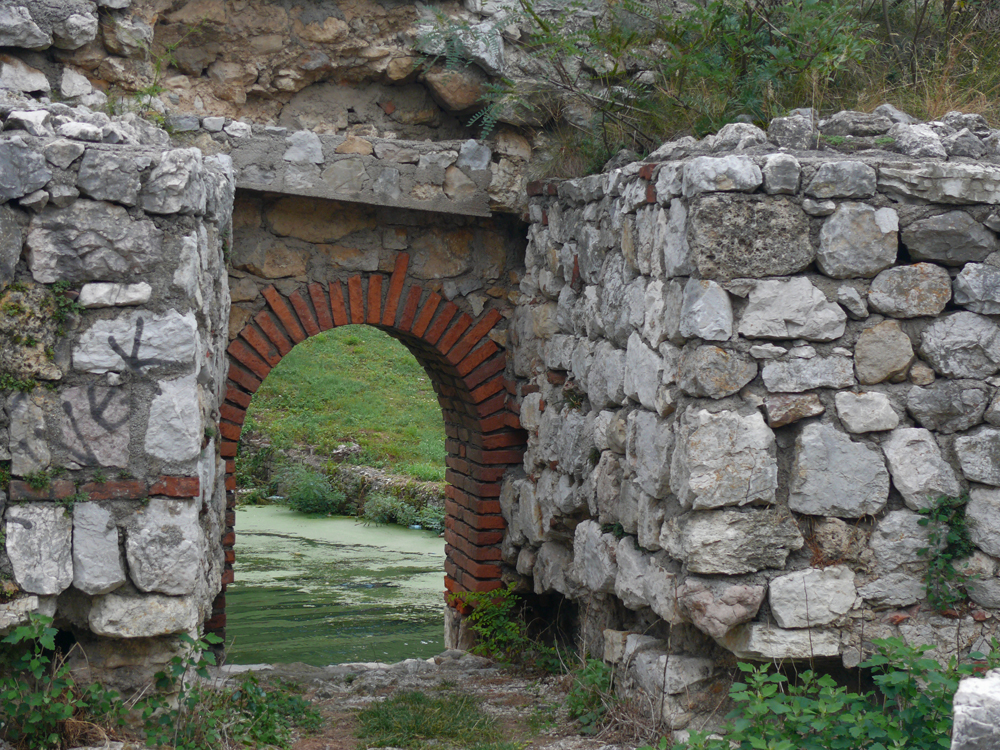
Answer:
(114, 318)
(744, 367)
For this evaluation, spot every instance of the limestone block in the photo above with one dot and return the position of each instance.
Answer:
(81, 131)
(797, 375)
(851, 301)
(897, 540)
(842, 179)
(731, 542)
(706, 311)
(857, 240)
(97, 562)
(866, 412)
(10, 244)
(834, 476)
(883, 352)
(735, 236)
(952, 238)
(176, 184)
(715, 606)
(898, 589)
(781, 174)
(791, 309)
(984, 512)
(723, 459)
(606, 378)
(662, 304)
(534, 518)
(143, 340)
(976, 708)
(552, 572)
(736, 136)
(303, 145)
(35, 122)
(649, 520)
(22, 169)
(783, 408)
(643, 372)
(107, 176)
(977, 288)
(18, 611)
(176, 428)
(658, 673)
(856, 124)
(104, 294)
(122, 616)
(607, 481)
(18, 29)
(632, 571)
(979, 455)
(91, 240)
(795, 132)
(918, 469)
(95, 425)
(29, 448)
(811, 597)
(648, 447)
(918, 140)
(911, 291)
(763, 642)
(706, 174)
(949, 405)
(962, 345)
(714, 372)
(670, 242)
(39, 545)
(165, 547)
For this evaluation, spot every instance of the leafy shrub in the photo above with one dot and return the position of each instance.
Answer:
(948, 534)
(381, 509)
(308, 490)
(501, 632)
(590, 695)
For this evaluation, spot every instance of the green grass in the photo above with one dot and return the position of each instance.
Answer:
(354, 384)
(415, 720)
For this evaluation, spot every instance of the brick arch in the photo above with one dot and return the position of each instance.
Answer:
(466, 368)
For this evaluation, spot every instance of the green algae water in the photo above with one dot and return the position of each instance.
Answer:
(331, 590)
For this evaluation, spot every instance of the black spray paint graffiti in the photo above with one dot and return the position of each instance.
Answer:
(97, 408)
(133, 361)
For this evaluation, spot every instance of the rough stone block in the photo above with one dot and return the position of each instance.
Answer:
(97, 562)
(812, 597)
(165, 547)
(791, 309)
(121, 616)
(918, 469)
(39, 545)
(857, 240)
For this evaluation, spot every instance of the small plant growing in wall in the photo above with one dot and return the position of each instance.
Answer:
(949, 542)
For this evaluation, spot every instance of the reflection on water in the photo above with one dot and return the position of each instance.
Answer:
(331, 590)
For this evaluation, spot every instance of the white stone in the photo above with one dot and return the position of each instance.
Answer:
(767, 351)
(594, 558)
(812, 597)
(954, 183)
(976, 708)
(763, 642)
(984, 512)
(97, 560)
(858, 240)
(723, 459)
(643, 372)
(304, 145)
(798, 375)
(165, 547)
(962, 345)
(658, 673)
(977, 288)
(866, 412)
(648, 448)
(781, 174)
(103, 294)
(705, 174)
(842, 179)
(706, 312)
(898, 589)
(918, 469)
(606, 377)
(145, 339)
(979, 455)
(120, 616)
(898, 539)
(662, 304)
(19, 611)
(176, 184)
(671, 237)
(788, 309)
(39, 545)
(29, 447)
(716, 606)
(176, 426)
(73, 84)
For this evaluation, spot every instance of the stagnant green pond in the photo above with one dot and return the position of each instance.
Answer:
(332, 590)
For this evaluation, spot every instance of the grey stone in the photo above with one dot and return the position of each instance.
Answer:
(789, 309)
(736, 236)
(18, 611)
(108, 176)
(22, 169)
(764, 642)
(649, 444)
(818, 208)
(176, 184)
(39, 545)
(858, 240)
(767, 351)
(658, 673)
(97, 562)
(842, 179)
(671, 236)
(949, 405)
(437, 160)
(10, 244)
(175, 427)
(474, 156)
(976, 709)
(706, 311)
(81, 131)
(883, 352)
(716, 606)
(977, 288)
(797, 375)
(18, 29)
(859, 124)
(963, 143)
(983, 510)
(213, 124)
(90, 240)
(63, 152)
(962, 345)
(731, 542)
(851, 300)
(911, 291)
(723, 459)
(119, 616)
(781, 174)
(165, 547)
(706, 174)
(304, 145)
(346, 175)
(792, 132)
(387, 184)
(606, 378)
(34, 122)
(95, 425)
(165, 339)
(918, 469)
(104, 294)
(975, 123)
(714, 372)
(834, 476)
(917, 140)
(36, 201)
(812, 597)
(898, 589)
(898, 539)
(552, 572)
(783, 408)
(894, 114)
(643, 372)
(866, 412)
(16, 75)
(29, 447)
(736, 136)
(75, 29)
(952, 238)
(979, 455)
(644, 581)
(62, 195)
